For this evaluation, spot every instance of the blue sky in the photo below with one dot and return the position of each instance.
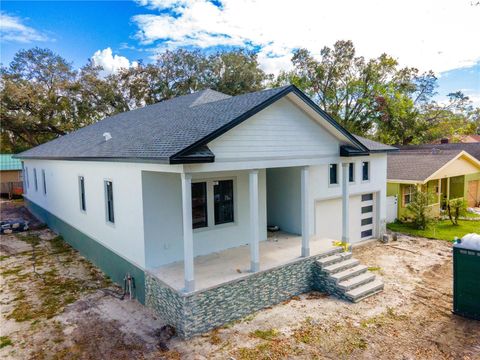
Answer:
(117, 33)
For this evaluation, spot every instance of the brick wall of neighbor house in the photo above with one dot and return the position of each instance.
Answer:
(204, 310)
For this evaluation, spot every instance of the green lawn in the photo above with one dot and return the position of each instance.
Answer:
(444, 229)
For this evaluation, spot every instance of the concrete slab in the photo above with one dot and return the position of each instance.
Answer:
(220, 267)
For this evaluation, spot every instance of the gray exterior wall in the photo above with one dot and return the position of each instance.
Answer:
(284, 199)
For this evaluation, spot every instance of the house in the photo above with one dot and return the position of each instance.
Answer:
(473, 138)
(446, 171)
(179, 195)
(10, 175)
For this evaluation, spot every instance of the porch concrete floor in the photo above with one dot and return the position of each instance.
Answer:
(220, 267)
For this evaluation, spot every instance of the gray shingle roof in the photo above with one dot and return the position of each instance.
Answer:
(374, 146)
(417, 165)
(171, 131)
(471, 148)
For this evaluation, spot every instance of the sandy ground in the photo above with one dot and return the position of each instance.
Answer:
(65, 308)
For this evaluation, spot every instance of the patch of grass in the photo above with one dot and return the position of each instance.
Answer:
(375, 268)
(5, 341)
(13, 271)
(4, 257)
(444, 230)
(268, 334)
(388, 317)
(214, 337)
(280, 349)
(249, 318)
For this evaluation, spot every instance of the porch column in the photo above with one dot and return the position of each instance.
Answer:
(345, 204)
(254, 223)
(448, 190)
(187, 232)
(305, 182)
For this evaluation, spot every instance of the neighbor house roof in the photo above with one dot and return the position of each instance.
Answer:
(9, 163)
(419, 165)
(471, 148)
(172, 131)
(374, 146)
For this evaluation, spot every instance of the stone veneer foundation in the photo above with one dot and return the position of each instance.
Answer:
(202, 310)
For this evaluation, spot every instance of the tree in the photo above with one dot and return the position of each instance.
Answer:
(35, 98)
(455, 209)
(420, 210)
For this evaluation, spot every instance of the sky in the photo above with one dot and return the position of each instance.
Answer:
(438, 35)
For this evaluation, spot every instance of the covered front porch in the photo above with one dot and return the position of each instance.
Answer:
(205, 229)
(279, 249)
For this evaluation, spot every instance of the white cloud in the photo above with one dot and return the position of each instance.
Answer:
(13, 29)
(429, 34)
(111, 63)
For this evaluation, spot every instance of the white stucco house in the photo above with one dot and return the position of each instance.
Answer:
(180, 193)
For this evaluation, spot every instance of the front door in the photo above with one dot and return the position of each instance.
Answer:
(473, 193)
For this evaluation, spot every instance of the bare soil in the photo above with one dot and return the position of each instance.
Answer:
(65, 308)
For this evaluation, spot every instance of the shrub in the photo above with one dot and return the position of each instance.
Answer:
(455, 209)
(419, 209)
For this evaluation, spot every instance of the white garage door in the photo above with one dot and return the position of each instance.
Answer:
(328, 218)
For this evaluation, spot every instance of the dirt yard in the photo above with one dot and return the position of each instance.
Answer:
(55, 305)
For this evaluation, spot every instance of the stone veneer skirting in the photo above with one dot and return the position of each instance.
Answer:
(202, 310)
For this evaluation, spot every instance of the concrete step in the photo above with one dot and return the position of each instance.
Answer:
(348, 273)
(356, 281)
(340, 266)
(365, 291)
(332, 259)
(331, 252)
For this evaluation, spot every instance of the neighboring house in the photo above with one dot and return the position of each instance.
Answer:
(179, 194)
(444, 172)
(10, 175)
(459, 139)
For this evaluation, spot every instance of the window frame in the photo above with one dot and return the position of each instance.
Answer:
(44, 179)
(411, 191)
(232, 204)
(368, 171)
(205, 205)
(35, 179)
(107, 201)
(82, 196)
(330, 183)
(351, 174)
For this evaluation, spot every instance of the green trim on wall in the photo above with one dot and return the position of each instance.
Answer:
(111, 264)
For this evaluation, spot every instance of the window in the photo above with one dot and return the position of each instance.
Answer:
(81, 191)
(35, 182)
(365, 171)
(366, 233)
(333, 169)
(367, 209)
(199, 205)
(109, 201)
(367, 221)
(223, 201)
(351, 172)
(408, 194)
(44, 182)
(367, 197)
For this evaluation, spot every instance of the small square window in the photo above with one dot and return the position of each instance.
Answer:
(365, 171)
(333, 174)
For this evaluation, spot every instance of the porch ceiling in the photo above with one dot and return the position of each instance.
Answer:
(231, 264)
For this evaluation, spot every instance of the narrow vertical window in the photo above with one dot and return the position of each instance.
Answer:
(81, 189)
(199, 205)
(365, 171)
(223, 201)
(35, 182)
(44, 182)
(333, 174)
(351, 172)
(109, 201)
